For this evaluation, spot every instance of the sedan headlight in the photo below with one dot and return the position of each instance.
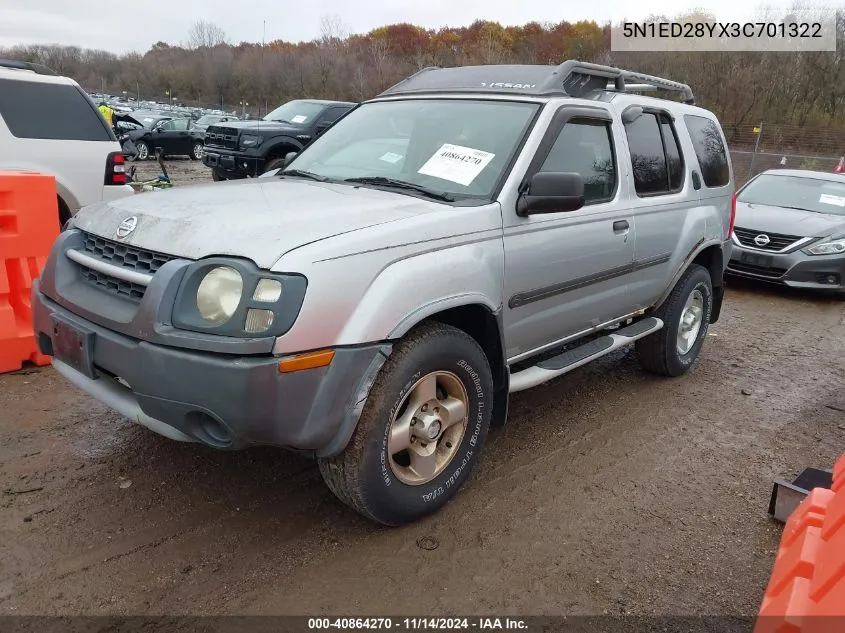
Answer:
(832, 247)
(250, 140)
(227, 296)
(219, 294)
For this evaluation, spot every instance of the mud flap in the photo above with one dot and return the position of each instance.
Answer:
(718, 296)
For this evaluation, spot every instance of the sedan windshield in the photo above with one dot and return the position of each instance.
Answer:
(796, 192)
(457, 147)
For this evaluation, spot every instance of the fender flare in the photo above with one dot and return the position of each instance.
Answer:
(431, 308)
(699, 248)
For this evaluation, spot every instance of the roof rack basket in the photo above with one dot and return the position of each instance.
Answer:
(18, 65)
(580, 75)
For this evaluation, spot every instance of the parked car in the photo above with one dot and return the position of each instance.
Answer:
(469, 233)
(240, 149)
(201, 125)
(48, 124)
(173, 136)
(790, 230)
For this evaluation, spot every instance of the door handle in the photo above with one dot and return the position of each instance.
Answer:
(620, 226)
(696, 181)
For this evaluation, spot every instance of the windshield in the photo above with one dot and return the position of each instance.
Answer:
(810, 194)
(296, 112)
(451, 146)
(208, 119)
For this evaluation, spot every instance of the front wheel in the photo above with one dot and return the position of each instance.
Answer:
(196, 152)
(672, 350)
(421, 431)
(273, 165)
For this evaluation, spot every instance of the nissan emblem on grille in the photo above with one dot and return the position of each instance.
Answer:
(761, 240)
(129, 224)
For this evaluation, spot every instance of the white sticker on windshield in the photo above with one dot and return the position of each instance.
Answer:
(391, 157)
(456, 164)
(299, 118)
(827, 198)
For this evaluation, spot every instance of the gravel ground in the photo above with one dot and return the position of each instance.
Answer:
(609, 491)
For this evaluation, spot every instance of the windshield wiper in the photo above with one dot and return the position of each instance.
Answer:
(401, 184)
(303, 174)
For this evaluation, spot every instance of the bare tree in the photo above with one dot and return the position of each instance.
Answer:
(205, 35)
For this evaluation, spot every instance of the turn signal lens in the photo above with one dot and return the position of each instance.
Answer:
(311, 360)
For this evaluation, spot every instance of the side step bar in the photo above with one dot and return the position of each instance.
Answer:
(583, 354)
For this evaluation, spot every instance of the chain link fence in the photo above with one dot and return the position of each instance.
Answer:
(758, 147)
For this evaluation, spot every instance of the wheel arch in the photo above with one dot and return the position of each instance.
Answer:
(711, 256)
(280, 146)
(483, 322)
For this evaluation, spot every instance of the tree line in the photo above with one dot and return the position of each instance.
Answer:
(806, 88)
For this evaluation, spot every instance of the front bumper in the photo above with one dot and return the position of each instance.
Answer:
(232, 164)
(794, 269)
(222, 392)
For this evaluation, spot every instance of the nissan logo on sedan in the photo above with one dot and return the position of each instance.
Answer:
(761, 240)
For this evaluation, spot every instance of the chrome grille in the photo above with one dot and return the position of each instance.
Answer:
(126, 289)
(124, 255)
(777, 241)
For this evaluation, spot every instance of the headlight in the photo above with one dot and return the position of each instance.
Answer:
(833, 247)
(229, 296)
(250, 140)
(219, 294)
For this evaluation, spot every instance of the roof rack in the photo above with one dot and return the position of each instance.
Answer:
(38, 69)
(572, 78)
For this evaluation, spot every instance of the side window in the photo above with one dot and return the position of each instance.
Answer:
(656, 158)
(647, 158)
(164, 126)
(179, 125)
(585, 147)
(673, 153)
(333, 114)
(709, 149)
(50, 111)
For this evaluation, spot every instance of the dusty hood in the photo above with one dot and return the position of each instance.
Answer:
(260, 219)
(787, 221)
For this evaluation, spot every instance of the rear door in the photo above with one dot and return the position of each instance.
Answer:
(663, 199)
(54, 128)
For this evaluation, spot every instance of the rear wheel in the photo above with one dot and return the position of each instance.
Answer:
(196, 153)
(421, 431)
(672, 350)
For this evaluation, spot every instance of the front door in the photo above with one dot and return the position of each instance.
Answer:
(567, 272)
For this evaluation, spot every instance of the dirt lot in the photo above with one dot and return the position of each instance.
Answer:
(610, 491)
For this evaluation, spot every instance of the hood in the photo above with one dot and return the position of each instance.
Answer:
(787, 221)
(256, 126)
(258, 218)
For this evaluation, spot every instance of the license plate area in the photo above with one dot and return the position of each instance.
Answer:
(74, 346)
(756, 259)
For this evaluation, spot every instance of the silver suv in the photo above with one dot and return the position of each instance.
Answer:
(469, 233)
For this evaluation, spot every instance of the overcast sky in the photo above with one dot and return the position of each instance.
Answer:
(106, 25)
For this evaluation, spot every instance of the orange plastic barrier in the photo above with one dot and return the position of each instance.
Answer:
(806, 592)
(29, 224)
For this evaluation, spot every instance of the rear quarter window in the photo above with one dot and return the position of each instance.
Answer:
(50, 111)
(709, 149)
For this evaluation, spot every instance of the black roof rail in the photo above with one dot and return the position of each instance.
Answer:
(572, 78)
(39, 69)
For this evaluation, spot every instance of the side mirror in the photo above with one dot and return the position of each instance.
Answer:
(321, 127)
(289, 157)
(552, 192)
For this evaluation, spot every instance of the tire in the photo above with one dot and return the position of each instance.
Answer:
(375, 483)
(276, 163)
(196, 154)
(143, 150)
(659, 353)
